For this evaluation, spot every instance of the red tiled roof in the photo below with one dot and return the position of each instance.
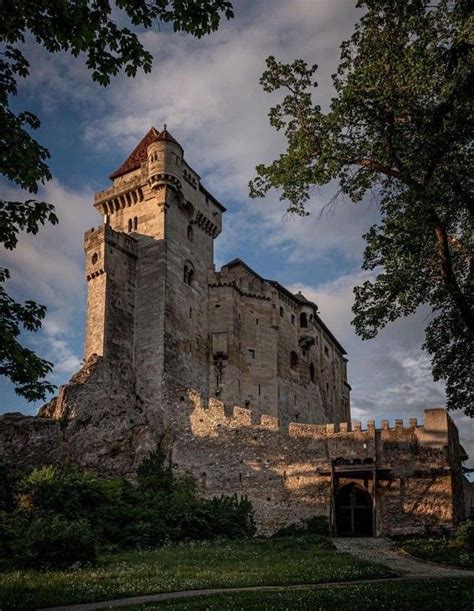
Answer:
(139, 153)
(165, 135)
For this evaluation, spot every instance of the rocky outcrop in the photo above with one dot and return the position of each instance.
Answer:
(97, 421)
(27, 440)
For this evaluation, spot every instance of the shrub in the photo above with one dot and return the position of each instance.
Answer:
(54, 541)
(51, 516)
(316, 525)
(154, 476)
(8, 479)
(64, 490)
(464, 536)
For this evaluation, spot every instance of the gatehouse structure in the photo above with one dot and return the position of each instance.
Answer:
(237, 379)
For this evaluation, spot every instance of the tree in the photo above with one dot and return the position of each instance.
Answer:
(80, 27)
(401, 125)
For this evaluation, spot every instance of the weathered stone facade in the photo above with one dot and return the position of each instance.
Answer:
(173, 346)
(300, 472)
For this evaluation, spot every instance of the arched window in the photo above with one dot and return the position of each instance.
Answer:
(293, 360)
(190, 233)
(188, 273)
(135, 223)
(311, 372)
(130, 225)
(303, 319)
(95, 258)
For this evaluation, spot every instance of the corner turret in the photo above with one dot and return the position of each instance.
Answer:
(165, 161)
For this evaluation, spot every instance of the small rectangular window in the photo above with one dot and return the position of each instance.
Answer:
(251, 353)
(292, 319)
(256, 321)
(282, 312)
(259, 390)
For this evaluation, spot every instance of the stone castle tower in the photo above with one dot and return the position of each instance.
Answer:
(147, 268)
(157, 305)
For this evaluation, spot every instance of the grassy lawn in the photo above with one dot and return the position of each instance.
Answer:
(306, 559)
(444, 551)
(424, 594)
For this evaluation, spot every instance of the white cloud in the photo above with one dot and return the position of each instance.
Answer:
(48, 267)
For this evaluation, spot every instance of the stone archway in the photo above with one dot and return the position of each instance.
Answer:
(354, 511)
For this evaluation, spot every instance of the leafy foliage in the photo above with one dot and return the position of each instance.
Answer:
(54, 541)
(454, 548)
(54, 516)
(400, 126)
(78, 27)
(317, 525)
(464, 536)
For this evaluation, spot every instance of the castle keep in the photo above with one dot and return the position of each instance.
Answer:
(155, 301)
(236, 378)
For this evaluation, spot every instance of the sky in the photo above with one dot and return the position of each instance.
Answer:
(208, 93)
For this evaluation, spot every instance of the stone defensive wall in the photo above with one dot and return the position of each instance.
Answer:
(216, 417)
(295, 473)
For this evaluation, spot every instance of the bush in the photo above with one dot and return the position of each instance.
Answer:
(464, 536)
(8, 480)
(51, 516)
(54, 541)
(317, 525)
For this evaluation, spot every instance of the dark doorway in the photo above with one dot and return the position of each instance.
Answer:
(353, 512)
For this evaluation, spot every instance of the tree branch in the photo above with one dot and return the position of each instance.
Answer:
(447, 272)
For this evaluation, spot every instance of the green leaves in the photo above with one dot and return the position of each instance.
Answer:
(20, 216)
(401, 126)
(26, 370)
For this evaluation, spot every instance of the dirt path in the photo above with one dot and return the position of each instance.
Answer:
(384, 551)
(375, 550)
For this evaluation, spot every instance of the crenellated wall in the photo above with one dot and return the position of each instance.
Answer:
(294, 473)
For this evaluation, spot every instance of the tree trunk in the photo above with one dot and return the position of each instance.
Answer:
(447, 273)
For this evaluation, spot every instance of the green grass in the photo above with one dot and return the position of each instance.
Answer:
(439, 594)
(308, 559)
(444, 551)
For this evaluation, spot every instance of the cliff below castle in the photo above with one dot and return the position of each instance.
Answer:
(97, 421)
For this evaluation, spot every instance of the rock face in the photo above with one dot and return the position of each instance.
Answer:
(30, 440)
(97, 421)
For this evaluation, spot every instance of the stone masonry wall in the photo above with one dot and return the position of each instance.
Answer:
(287, 474)
(265, 358)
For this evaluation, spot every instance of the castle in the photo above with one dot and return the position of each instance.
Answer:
(236, 378)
